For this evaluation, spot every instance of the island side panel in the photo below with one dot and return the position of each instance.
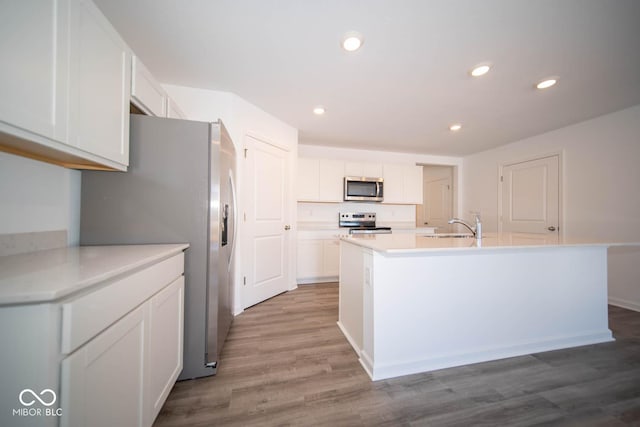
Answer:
(442, 310)
(350, 293)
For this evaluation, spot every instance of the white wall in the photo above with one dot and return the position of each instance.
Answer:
(241, 119)
(37, 196)
(600, 180)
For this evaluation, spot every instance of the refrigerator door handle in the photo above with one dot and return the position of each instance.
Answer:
(235, 218)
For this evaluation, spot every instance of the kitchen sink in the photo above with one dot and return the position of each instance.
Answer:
(450, 236)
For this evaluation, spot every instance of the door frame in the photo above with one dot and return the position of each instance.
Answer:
(560, 155)
(246, 236)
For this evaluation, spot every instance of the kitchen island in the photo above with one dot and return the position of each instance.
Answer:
(413, 303)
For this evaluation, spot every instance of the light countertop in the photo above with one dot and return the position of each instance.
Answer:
(49, 275)
(415, 243)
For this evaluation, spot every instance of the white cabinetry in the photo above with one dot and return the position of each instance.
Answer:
(331, 180)
(173, 111)
(318, 257)
(100, 85)
(65, 85)
(121, 377)
(320, 180)
(111, 352)
(369, 170)
(149, 96)
(309, 259)
(308, 181)
(102, 383)
(34, 45)
(402, 184)
(331, 258)
(165, 346)
(146, 92)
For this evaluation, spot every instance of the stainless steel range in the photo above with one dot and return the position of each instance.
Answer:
(361, 223)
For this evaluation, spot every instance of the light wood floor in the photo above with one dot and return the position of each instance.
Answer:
(285, 363)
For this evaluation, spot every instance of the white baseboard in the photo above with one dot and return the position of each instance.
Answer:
(629, 305)
(317, 280)
(349, 338)
(380, 371)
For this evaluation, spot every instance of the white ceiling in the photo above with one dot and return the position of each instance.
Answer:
(410, 79)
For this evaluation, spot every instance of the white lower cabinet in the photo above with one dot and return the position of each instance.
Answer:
(164, 355)
(318, 260)
(124, 375)
(331, 257)
(103, 382)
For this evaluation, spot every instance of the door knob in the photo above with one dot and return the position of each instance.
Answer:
(552, 228)
(287, 227)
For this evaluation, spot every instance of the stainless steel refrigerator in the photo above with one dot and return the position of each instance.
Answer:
(179, 188)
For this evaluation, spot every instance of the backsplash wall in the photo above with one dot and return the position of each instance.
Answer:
(327, 213)
(37, 196)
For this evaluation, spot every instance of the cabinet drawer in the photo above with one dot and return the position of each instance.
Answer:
(84, 317)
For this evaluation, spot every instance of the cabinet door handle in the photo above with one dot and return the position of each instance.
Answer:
(287, 227)
(552, 228)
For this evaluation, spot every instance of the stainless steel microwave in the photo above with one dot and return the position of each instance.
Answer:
(362, 189)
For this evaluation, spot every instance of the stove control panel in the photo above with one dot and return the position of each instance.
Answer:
(357, 219)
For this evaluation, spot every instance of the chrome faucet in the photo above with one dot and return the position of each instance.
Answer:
(477, 230)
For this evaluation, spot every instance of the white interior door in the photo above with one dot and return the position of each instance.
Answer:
(530, 196)
(267, 220)
(437, 203)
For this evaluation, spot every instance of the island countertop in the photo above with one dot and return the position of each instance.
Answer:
(416, 243)
(49, 275)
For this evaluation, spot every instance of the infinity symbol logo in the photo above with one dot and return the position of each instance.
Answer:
(36, 397)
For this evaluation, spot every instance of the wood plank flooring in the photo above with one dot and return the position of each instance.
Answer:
(285, 363)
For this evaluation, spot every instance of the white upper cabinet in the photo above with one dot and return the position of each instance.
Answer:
(331, 180)
(393, 183)
(146, 92)
(369, 170)
(413, 185)
(34, 47)
(403, 184)
(100, 85)
(173, 111)
(308, 181)
(65, 84)
(320, 180)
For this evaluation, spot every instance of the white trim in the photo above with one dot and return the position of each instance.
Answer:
(349, 338)
(264, 139)
(391, 370)
(623, 303)
(311, 280)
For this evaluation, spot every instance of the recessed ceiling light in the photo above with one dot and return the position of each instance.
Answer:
(547, 83)
(319, 110)
(480, 70)
(352, 41)
(455, 127)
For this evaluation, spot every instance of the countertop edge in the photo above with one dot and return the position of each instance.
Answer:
(45, 297)
(478, 249)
